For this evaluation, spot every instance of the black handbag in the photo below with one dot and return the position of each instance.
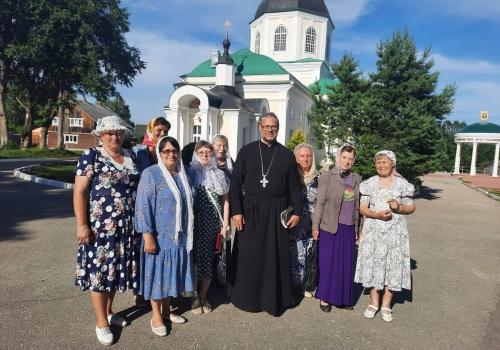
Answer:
(222, 264)
(311, 268)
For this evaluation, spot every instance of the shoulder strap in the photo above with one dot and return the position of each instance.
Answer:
(215, 205)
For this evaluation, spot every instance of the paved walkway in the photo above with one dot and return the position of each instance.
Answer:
(479, 180)
(454, 304)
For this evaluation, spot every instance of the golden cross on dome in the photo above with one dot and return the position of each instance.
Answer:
(227, 24)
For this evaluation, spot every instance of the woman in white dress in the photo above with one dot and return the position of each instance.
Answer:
(384, 248)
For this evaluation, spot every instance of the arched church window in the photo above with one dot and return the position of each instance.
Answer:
(257, 43)
(311, 40)
(280, 38)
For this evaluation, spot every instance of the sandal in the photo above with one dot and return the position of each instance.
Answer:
(369, 313)
(386, 317)
(206, 306)
(196, 307)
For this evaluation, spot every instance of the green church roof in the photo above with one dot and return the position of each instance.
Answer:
(247, 63)
(480, 128)
(323, 83)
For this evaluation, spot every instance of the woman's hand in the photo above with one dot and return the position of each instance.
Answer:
(315, 234)
(149, 244)
(394, 205)
(358, 237)
(384, 215)
(223, 231)
(83, 234)
(294, 221)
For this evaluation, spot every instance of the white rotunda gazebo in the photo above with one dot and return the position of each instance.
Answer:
(478, 133)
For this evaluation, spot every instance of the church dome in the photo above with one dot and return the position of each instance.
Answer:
(316, 7)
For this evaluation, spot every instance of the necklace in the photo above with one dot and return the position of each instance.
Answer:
(264, 181)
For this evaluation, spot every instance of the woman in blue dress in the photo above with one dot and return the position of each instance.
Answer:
(103, 199)
(164, 216)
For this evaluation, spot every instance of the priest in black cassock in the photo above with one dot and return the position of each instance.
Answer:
(265, 182)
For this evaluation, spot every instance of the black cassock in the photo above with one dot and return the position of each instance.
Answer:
(260, 272)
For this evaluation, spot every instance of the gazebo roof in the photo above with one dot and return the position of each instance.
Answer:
(480, 128)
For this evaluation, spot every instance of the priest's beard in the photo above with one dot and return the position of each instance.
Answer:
(269, 139)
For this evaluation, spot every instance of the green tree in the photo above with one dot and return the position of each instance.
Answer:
(397, 109)
(119, 106)
(333, 115)
(297, 138)
(78, 48)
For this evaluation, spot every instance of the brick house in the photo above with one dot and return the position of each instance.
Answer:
(79, 121)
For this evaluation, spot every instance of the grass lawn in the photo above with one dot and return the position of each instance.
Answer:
(58, 172)
(38, 153)
(494, 191)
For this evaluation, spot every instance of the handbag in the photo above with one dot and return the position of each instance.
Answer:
(311, 268)
(285, 216)
(220, 246)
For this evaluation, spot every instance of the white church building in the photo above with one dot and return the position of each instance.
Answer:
(289, 51)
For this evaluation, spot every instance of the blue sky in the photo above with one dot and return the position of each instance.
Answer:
(176, 35)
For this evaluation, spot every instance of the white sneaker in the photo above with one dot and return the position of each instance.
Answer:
(115, 320)
(104, 335)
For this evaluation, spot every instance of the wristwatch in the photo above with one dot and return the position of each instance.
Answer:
(228, 228)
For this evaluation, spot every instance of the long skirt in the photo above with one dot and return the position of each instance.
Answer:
(336, 265)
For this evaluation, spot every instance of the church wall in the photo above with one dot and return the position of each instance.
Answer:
(296, 23)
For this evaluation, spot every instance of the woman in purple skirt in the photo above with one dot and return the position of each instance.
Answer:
(336, 223)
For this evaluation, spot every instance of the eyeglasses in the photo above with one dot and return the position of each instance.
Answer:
(206, 154)
(117, 134)
(269, 127)
(167, 152)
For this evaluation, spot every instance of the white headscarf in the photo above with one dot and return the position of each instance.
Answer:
(392, 157)
(189, 196)
(311, 175)
(229, 162)
(206, 176)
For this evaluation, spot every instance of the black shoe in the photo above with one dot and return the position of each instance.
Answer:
(325, 308)
(348, 307)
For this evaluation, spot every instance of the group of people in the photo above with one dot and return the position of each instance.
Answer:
(146, 222)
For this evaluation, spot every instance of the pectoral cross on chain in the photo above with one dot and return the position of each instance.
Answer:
(264, 181)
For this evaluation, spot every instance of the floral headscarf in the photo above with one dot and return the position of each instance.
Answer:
(149, 140)
(392, 157)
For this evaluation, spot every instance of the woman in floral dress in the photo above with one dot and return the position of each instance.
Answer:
(211, 186)
(301, 235)
(104, 193)
(384, 248)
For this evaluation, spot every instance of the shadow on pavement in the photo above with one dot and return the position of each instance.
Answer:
(23, 201)
(429, 193)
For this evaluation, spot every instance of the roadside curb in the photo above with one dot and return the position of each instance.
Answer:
(474, 187)
(24, 173)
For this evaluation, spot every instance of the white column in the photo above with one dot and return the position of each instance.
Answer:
(495, 162)
(173, 118)
(204, 123)
(457, 160)
(234, 137)
(473, 161)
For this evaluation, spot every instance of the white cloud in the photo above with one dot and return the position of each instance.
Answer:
(469, 9)
(347, 13)
(167, 59)
(465, 66)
